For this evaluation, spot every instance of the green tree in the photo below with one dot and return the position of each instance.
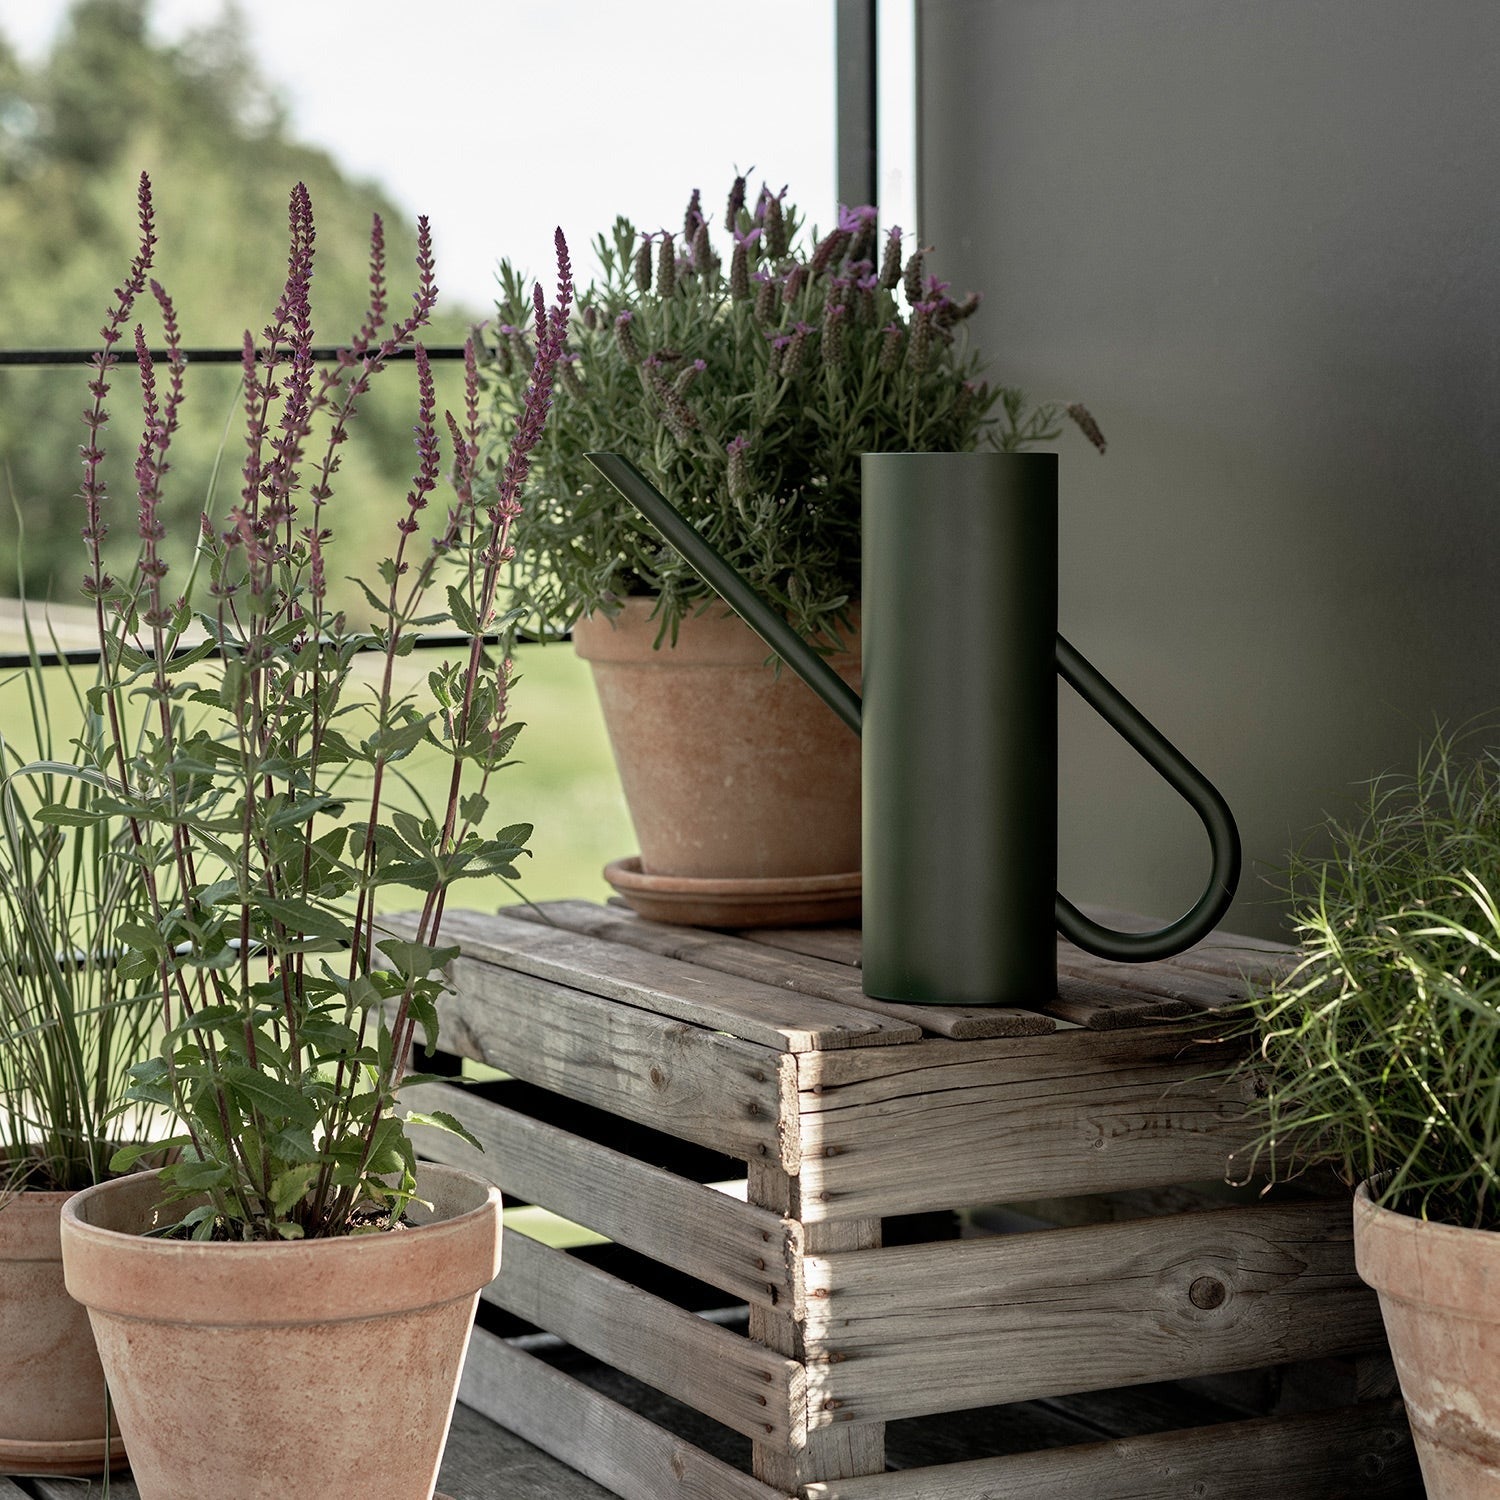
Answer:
(75, 132)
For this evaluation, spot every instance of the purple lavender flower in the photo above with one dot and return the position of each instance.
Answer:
(890, 262)
(738, 475)
(1086, 424)
(702, 252)
(830, 247)
(889, 358)
(769, 211)
(687, 375)
(859, 224)
(767, 294)
(835, 318)
(693, 216)
(739, 273)
(625, 337)
(919, 350)
(795, 351)
(643, 263)
(912, 277)
(736, 200)
(666, 267)
(793, 284)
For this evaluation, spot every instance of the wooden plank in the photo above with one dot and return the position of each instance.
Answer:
(43, 1487)
(1101, 1006)
(714, 1090)
(746, 1251)
(478, 1452)
(629, 1455)
(1207, 976)
(827, 1452)
(951, 1124)
(781, 968)
(838, 945)
(746, 1387)
(1158, 981)
(754, 1012)
(1356, 1454)
(915, 1329)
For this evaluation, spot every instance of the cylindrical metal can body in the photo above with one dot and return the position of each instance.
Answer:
(960, 726)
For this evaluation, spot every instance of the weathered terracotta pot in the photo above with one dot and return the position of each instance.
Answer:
(321, 1367)
(730, 770)
(1439, 1289)
(52, 1396)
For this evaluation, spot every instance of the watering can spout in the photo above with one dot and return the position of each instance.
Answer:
(960, 830)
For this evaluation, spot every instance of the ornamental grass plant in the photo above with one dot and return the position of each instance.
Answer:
(1381, 1047)
(747, 369)
(71, 1023)
(257, 779)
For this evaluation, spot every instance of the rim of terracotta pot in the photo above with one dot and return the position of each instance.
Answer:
(110, 1265)
(29, 1223)
(1393, 1251)
(716, 636)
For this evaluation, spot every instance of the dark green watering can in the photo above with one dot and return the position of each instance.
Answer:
(959, 727)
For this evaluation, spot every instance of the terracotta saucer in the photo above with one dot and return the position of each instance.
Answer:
(84, 1456)
(791, 901)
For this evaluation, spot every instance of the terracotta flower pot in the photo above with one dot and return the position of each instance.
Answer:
(731, 771)
(52, 1396)
(262, 1371)
(1439, 1289)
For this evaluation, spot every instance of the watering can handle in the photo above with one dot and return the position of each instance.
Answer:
(1190, 784)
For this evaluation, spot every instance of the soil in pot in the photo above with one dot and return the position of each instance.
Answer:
(261, 1371)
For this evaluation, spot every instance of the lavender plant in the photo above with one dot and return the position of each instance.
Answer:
(258, 770)
(749, 377)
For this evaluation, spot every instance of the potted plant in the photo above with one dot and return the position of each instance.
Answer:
(748, 376)
(1381, 1051)
(70, 1028)
(288, 1303)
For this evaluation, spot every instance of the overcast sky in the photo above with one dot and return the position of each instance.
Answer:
(502, 118)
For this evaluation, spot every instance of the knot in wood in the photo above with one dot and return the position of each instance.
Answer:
(658, 1077)
(1207, 1292)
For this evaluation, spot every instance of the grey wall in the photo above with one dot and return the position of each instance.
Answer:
(1261, 239)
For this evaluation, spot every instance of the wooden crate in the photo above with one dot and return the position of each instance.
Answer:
(1081, 1145)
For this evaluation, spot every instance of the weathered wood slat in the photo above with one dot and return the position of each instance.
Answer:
(915, 1329)
(950, 1124)
(793, 971)
(483, 1460)
(1099, 1006)
(1159, 981)
(838, 945)
(744, 1250)
(631, 1456)
(729, 1378)
(1355, 1454)
(771, 1017)
(121, 1487)
(715, 1090)
(847, 1448)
